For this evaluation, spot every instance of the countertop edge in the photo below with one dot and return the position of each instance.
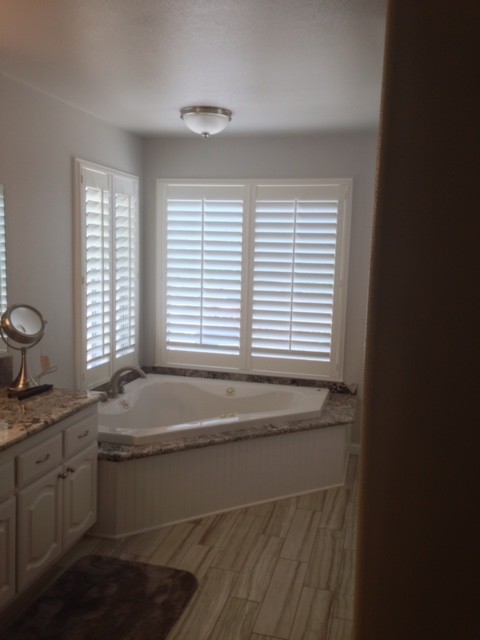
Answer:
(20, 420)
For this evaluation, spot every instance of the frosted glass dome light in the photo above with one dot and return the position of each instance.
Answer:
(206, 121)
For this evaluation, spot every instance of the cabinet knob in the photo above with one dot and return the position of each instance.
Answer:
(44, 459)
(84, 434)
(62, 476)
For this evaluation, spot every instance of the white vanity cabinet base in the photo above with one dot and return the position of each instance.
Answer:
(7, 550)
(48, 498)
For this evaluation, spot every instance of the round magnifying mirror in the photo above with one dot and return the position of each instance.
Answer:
(23, 324)
(21, 327)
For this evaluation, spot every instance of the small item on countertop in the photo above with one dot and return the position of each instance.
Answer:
(33, 391)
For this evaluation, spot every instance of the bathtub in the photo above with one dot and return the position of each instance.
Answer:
(162, 408)
(175, 448)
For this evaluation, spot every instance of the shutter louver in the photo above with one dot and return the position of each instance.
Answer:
(203, 272)
(293, 275)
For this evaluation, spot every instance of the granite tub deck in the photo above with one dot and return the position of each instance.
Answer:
(22, 419)
(339, 409)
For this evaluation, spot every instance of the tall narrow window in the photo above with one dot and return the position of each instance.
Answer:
(126, 266)
(296, 276)
(253, 276)
(107, 259)
(202, 275)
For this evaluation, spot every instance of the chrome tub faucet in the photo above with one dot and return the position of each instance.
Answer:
(116, 385)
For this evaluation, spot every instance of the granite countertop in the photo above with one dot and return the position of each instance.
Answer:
(339, 409)
(21, 419)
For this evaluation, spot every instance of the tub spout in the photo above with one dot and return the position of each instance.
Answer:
(116, 385)
(101, 395)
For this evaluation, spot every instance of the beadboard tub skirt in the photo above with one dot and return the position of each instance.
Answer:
(137, 495)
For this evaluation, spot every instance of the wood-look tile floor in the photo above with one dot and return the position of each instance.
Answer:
(283, 570)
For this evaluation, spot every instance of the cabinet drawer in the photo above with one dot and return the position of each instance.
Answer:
(7, 479)
(80, 435)
(37, 461)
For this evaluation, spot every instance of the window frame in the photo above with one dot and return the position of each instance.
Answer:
(96, 375)
(283, 367)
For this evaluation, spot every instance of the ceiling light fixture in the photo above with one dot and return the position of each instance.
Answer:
(206, 120)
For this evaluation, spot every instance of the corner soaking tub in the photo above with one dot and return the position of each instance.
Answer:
(161, 408)
(173, 448)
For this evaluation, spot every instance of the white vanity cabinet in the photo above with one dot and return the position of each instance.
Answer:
(54, 498)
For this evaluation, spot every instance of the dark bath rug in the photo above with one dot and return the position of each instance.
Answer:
(106, 598)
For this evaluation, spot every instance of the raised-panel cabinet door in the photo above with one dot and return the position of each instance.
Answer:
(79, 495)
(40, 526)
(7, 550)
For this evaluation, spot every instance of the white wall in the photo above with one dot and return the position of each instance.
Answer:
(329, 156)
(39, 136)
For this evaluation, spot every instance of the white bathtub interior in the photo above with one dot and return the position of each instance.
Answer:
(161, 408)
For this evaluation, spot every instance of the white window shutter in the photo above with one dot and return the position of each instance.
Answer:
(97, 271)
(125, 266)
(294, 267)
(203, 272)
(107, 246)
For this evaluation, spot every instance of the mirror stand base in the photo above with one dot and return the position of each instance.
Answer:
(23, 380)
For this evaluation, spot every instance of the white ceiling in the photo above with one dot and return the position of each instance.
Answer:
(281, 66)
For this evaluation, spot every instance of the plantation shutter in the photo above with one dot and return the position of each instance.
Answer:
(203, 273)
(296, 277)
(97, 271)
(126, 277)
(253, 275)
(107, 240)
(3, 255)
